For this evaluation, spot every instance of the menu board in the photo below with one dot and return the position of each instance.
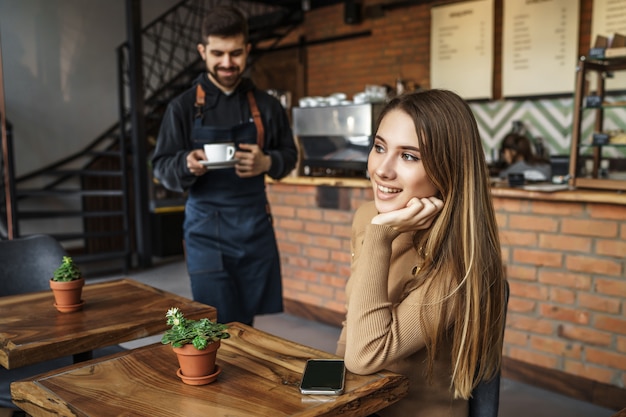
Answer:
(461, 45)
(608, 18)
(539, 47)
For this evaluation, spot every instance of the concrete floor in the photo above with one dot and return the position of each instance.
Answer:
(515, 397)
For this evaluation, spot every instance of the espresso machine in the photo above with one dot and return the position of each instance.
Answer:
(335, 141)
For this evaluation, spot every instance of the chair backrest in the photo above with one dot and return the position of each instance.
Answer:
(27, 263)
(485, 399)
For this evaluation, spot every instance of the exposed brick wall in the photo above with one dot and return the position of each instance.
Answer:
(565, 264)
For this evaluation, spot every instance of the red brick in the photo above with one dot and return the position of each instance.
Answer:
(285, 248)
(321, 290)
(562, 295)
(321, 266)
(336, 216)
(527, 290)
(517, 238)
(326, 242)
(530, 222)
(297, 237)
(308, 214)
(340, 230)
(318, 228)
(513, 337)
(610, 323)
(588, 371)
(299, 262)
(538, 257)
(564, 314)
(304, 275)
(317, 253)
(289, 224)
(557, 208)
(584, 334)
(536, 358)
(521, 306)
(599, 303)
(616, 248)
(526, 273)
(586, 227)
(565, 279)
(621, 344)
(592, 265)
(565, 243)
(283, 211)
(556, 347)
(510, 205)
(528, 324)
(333, 281)
(293, 285)
(607, 211)
(606, 358)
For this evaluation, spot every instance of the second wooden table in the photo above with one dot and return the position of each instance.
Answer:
(32, 331)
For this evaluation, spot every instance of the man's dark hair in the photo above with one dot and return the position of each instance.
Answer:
(224, 21)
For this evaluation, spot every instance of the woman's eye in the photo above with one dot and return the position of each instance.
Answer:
(379, 148)
(409, 157)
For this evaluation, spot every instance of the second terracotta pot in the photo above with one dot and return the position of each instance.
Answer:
(196, 363)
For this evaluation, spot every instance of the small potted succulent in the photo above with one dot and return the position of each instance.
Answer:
(195, 343)
(67, 286)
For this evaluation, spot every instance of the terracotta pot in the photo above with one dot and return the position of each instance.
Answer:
(197, 367)
(67, 295)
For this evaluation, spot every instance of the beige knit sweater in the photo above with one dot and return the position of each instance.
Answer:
(382, 330)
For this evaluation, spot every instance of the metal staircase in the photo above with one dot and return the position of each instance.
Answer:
(88, 195)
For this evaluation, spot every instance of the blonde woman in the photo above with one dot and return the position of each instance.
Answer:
(426, 293)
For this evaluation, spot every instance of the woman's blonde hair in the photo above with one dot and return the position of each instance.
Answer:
(462, 266)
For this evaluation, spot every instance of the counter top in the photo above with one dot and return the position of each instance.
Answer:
(571, 195)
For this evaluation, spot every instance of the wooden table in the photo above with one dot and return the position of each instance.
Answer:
(621, 413)
(32, 330)
(260, 377)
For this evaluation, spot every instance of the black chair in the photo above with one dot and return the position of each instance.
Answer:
(485, 399)
(26, 265)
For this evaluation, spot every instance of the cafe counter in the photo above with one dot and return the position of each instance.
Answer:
(564, 254)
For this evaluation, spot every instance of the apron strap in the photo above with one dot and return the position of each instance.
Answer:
(254, 109)
(260, 132)
(199, 99)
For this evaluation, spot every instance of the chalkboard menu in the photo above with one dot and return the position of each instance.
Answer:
(609, 18)
(539, 47)
(462, 48)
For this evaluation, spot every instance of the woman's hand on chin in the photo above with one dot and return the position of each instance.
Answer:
(418, 214)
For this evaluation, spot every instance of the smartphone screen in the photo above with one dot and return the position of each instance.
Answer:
(323, 376)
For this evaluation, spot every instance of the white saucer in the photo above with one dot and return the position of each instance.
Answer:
(219, 165)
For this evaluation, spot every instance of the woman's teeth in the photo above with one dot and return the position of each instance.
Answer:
(388, 190)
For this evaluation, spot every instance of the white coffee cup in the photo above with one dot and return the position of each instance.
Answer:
(219, 152)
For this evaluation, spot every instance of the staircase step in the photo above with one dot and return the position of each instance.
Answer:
(116, 154)
(84, 235)
(102, 256)
(69, 192)
(37, 214)
(86, 172)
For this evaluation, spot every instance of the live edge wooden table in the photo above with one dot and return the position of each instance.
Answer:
(260, 377)
(32, 330)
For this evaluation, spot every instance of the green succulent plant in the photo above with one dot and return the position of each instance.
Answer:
(67, 271)
(200, 333)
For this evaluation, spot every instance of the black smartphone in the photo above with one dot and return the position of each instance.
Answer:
(323, 376)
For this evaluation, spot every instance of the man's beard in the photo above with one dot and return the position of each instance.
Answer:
(227, 82)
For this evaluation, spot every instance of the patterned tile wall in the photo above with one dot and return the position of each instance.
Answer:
(550, 119)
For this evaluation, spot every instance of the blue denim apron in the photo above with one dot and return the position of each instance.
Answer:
(230, 247)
